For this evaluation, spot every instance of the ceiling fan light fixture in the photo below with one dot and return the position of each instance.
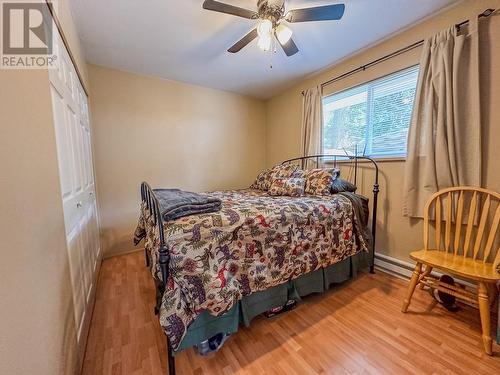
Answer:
(269, 16)
(264, 42)
(283, 33)
(264, 28)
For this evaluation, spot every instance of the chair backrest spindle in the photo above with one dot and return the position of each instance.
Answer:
(458, 222)
(470, 223)
(426, 230)
(492, 235)
(438, 223)
(482, 226)
(449, 212)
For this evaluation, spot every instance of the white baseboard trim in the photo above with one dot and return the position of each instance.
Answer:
(393, 266)
(119, 253)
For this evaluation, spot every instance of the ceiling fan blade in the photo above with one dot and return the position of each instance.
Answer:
(289, 47)
(322, 13)
(243, 41)
(217, 6)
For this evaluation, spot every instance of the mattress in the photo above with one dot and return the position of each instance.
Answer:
(255, 242)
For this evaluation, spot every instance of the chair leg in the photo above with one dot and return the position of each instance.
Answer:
(484, 311)
(411, 288)
(427, 272)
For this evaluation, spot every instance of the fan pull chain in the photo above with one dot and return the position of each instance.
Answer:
(273, 51)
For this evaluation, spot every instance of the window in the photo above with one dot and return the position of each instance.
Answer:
(372, 118)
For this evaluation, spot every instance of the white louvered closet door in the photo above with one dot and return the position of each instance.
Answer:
(73, 137)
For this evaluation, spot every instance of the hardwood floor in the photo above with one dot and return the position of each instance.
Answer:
(354, 329)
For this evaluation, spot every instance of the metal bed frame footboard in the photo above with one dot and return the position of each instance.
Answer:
(152, 205)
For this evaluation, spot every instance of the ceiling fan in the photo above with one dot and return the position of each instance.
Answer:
(272, 18)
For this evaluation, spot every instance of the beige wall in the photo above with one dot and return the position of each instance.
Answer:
(36, 318)
(397, 235)
(38, 334)
(169, 134)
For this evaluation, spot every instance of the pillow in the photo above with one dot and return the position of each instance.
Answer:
(299, 173)
(265, 178)
(261, 180)
(339, 185)
(319, 181)
(294, 187)
(283, 170)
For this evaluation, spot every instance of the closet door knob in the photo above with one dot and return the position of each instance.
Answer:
(91, 193)
(79, 204)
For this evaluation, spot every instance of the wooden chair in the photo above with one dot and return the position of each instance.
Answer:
(466, 222)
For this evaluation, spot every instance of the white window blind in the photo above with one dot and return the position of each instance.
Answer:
(372, 118)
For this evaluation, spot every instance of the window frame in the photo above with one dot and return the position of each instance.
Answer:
(379, 157)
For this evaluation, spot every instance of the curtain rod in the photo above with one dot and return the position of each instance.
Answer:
(486, 13)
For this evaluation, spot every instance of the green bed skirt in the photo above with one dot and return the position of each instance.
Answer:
(206, 325)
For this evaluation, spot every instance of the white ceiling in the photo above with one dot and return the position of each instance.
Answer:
(178, 40)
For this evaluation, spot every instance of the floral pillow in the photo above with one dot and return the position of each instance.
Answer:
(265, 178)
(299, 173)
(319, 181)
(261, 180)
(283, 170)
(293, 187)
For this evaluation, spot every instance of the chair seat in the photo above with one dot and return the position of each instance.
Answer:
(457, 264)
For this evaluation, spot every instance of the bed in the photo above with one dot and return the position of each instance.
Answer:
(215, 271)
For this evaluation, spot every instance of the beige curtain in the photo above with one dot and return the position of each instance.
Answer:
(312, 120)
(444, 141)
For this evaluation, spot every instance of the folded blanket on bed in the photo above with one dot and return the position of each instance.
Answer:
(175, 203)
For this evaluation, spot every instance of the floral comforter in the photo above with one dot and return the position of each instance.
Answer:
(255, 242)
